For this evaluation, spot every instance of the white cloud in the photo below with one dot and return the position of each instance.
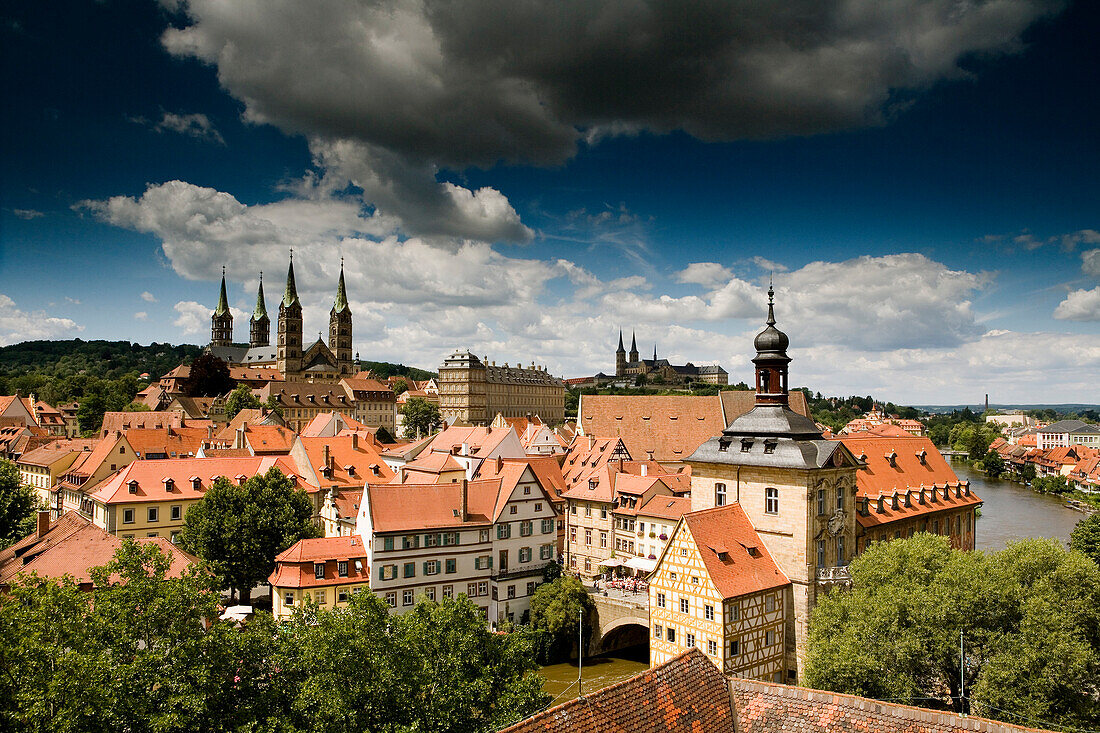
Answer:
(1084, 236)
(27, 214)
(1090, 262)
(709, 274)
(769, 265)
(194, 125)
(73, 301)
(194, 318)
(141, 316)
(148, 297)
(18, 325)
(1080, 305)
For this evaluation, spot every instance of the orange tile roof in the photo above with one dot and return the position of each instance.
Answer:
(88, 463)
(666, 507)
(226, 453)
(404, 507)
(320, 424)
(725, 539)
(173, 442)
(661, 427)
(736, 402)
(686, 694)
(118, 422)
(346, 451)
(150, 475)
(549, 474)
(57, 449)
(587, 453)
(510, 472)
(73, 546)
(482, 441)
(294, 567)
(269, 439)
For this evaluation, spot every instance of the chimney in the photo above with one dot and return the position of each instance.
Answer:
(326, 457)
(465, 499)
(645, 469)
(500, 464)
(401, 475)
(355, 441)
(210, 432)
(465, 449)
(43, 523)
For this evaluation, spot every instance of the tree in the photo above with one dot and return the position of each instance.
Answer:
(18, 504)
(421, 417)
(977, 443)
(1027, 473)
(993, 464)
(209, 377)
(239, 530)
(1085, 537)
(1029, 616)
(556, 606)
(939, 434)
(241, 398)
(399, 387)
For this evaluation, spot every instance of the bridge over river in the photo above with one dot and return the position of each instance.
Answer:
(621, 620)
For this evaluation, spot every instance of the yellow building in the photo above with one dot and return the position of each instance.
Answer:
(42, 468)
(716, 588)
(475, 391)
(327, 571)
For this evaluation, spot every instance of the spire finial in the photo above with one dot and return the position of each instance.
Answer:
(341, 302)
(290, 294)
(771, 304)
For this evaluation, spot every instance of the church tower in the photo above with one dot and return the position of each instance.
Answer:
(259, 332)
(771, 361)
(633, 359)
(221, 323)
(290, 327)
(620, 357)
(339, 327)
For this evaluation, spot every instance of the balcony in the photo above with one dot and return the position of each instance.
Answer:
(834, 575)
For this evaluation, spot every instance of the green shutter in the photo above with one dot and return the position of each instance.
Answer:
(425, 567)
(490, 566)
(381, 572)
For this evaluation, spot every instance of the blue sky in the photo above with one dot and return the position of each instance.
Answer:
(918, 178)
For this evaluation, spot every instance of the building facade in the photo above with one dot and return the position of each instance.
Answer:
(474, 391)
(328, 571)
(661, 370)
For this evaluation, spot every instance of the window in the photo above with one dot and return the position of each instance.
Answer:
(708, 613)
(689, 640)
(406, 598)
(387, 543)
(572, 508)
(672, 576)
(431, 567)
(572, 534)
(657, 631)
(526, 490)
(513, 509)
(588, 537)
(483, 536)
(683, 552)
(387, 572)
(603, 512)
(588, 564)
(471, 590)
(448, 591)
(840, 550)
(531, 587)
(712, 647)
(512, 591)
(484, 562)
(342, 568)
(525, 528)
(342, 595)
(695, 579)
(735, 647)
(483, 588)
(734, 611)
(153, 512)
(410, 570)
(452, 565)
(175, 538)
(429, 593)
(820, 501)
(431, 540)
(318, 570)
(660, 600)
(152, 534)
(671, 634)
(840, 497)
(769, 638)
(504, 531)
(603, 539)
(320, 597)
(719, 494)
(684, 606)
(538, 506)
(288, 599)
(771, 500)
(547, 526)
(525, 554)
(546, 552)
(410, 542)
(127, 516)
(769, 603)
(177, 513)
(821, 553)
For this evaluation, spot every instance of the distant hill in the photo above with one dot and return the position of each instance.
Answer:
(102, 359)
(1063, 408)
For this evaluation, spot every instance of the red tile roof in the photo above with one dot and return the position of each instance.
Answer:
(686, 694)
(294, 567)
(666, 507)
(660, 427)
(55, 450)
(481, 441)
(269, 439)
(345, 451)
(150, 475)
(404, 507)
(173, 442)
(73, 546)
(117, 422)
(734, 555)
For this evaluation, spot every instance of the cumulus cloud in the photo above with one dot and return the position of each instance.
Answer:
(1090, 262)
(148, 297)
(389, 94)
(18, 325)
(194, 125)
(1080, 305)
(705, 273)
(193, 318)
(141, 316)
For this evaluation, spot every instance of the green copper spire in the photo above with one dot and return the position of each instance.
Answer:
(223, 300)
(341, 303)
(261, 307)
(290, 295)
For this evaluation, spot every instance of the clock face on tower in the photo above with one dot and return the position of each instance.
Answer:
(836, 523)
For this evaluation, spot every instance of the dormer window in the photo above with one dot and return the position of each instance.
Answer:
(922, 456)
(169, 485)
(892, 457)
(318, 570)
(746, 445)
(196, 483)
(592, 484)
(132, 486)
(241, 478)
(769, 445)
(350, 470)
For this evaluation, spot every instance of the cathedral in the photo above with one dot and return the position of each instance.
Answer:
(296, 362)
(661, 370)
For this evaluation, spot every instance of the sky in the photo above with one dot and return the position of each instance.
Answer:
(917, 179)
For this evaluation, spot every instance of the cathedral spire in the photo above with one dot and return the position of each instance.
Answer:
(633, 342)
(223, 301)
(261, 307)
(290, 295)
(341, 303)
(620, 349)
(654, 352)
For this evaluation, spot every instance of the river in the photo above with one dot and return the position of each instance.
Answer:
(1010, 511)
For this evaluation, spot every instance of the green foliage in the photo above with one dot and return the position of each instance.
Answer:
(1030, 617)
(551, 572)
(1027, 473)
(1050, 485)
(421, 417)
(209, 377)
(383, 370)
(18, 505)
(241, 398)
(1085, 537)
(400, 387)
(993, 464)
(556, 606)
(239, 530)
(59, 360)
